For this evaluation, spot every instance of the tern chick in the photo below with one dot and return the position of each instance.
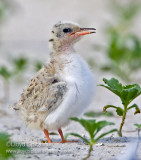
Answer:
(63, 88)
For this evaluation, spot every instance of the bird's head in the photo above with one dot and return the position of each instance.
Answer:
(65, 34)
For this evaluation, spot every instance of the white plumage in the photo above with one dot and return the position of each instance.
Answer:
(80, 83)
(63, 88)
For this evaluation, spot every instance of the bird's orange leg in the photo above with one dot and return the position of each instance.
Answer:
(47, 136)
(62, 137)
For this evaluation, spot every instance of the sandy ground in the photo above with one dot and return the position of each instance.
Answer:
(27, 32)
(109, 148)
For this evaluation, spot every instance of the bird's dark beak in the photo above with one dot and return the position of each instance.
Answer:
(84, 31)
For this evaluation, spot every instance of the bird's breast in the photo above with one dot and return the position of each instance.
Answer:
(78, 75)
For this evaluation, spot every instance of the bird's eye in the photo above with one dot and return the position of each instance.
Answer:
(67, 30)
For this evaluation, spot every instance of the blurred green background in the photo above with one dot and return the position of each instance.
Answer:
(115, 50)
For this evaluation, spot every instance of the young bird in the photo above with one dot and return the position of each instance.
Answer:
(63, 88)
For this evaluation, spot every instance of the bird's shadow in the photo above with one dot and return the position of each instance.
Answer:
(119, 140)
(103, 140)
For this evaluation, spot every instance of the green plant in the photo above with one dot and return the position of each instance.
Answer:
(6, 75)
(125, 12)
(91, 62)
(98, 114)
(20, 64)
(126, 94)
(38, 65)
(124, 52)
(93, 128)
(138, 128)
(8, 148)
(123, 48)
(5, 7)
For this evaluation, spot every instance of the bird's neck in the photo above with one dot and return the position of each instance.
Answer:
(61, 48)
(61, 54)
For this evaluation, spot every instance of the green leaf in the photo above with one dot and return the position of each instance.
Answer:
(91, 62)
(113, 85)
(20, 64)
(98, 114)
(92, 126)
(102, 124)
(106, 133)
(4, 138)
(88, 124)
(126, 93)
(119, 111)
(108, 106)
(8, 145)
(129, 93)
(38, 65)
(137, 125)
(137, 110)
(5, 73)
(76, 135)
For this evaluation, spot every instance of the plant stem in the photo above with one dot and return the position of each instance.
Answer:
(139, 133)
(122, 123)
(89, 152)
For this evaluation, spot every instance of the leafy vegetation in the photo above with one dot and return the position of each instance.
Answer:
(20, 64)
(138, 128)
(93, 128)
(123, 47)
(8, 148)
(6, 75)
(38, 65)
(98, 114)
(124, 52)
(5, 6)
(91, 62)
(126, 94)
(137, 125)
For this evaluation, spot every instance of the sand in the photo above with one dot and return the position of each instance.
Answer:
(27, 33)
(110, 147)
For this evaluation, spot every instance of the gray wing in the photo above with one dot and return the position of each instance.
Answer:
(44, 93)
